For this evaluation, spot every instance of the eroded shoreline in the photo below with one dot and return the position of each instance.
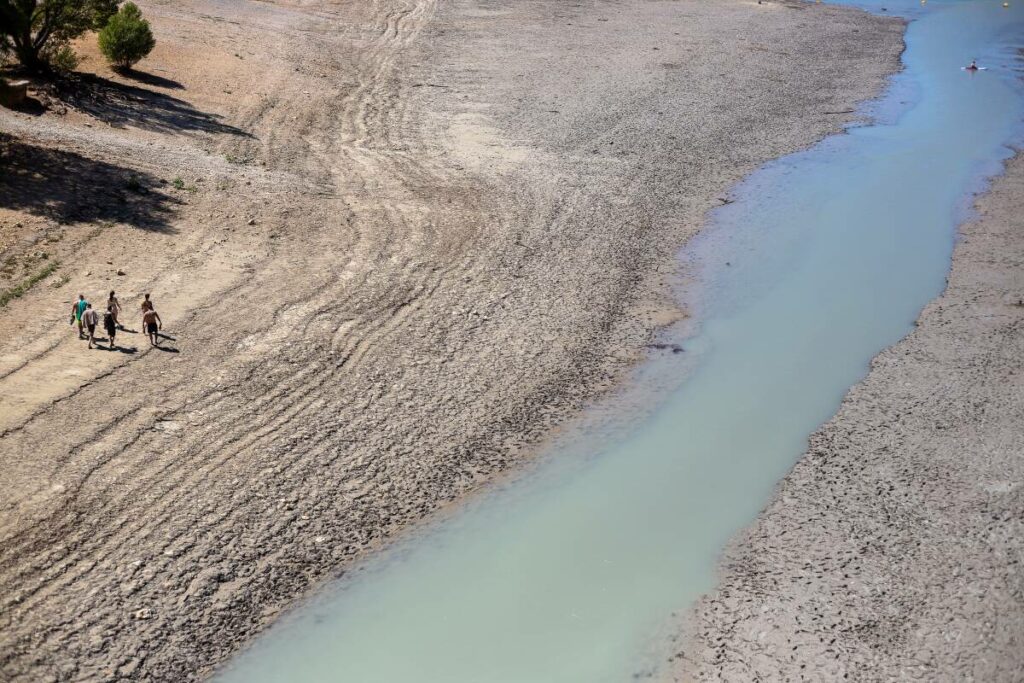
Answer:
(892, 550)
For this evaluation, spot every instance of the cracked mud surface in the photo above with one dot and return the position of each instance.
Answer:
(893, 549)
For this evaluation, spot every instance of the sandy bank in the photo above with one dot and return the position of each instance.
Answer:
(414, 238)
(893, 550)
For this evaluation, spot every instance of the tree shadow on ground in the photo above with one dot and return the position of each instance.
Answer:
(68, 187)
(152, 79)
(121, 104)
(30, 106)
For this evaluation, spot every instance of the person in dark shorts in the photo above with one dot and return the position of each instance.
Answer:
(152, 324)
(89, 319)
(110, 324)
(114, 308)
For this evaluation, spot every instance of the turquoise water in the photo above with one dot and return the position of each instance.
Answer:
(573, 572)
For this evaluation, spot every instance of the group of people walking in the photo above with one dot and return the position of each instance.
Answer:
(88, 319)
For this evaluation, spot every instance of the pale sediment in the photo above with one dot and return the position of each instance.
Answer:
(462, 216)
(894, 549)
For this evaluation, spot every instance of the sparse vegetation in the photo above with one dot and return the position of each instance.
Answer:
(180, 184)
(10, 264)
(39, 32)
(61, 281)
(19, 290)
(126, 38)
(62, 59)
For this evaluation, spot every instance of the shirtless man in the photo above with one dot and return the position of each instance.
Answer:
(151, 324)
(90, 318)
(147, 305)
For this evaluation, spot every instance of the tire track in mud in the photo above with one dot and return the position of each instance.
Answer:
(238, 427)
(104, 548)
(403, 339)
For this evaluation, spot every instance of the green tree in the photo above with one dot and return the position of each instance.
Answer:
(34, 30)
(126, 38)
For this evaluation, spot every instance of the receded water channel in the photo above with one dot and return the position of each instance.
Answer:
(827, 256)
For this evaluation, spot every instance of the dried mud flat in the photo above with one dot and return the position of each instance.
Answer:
(893, 550)
(394, 244)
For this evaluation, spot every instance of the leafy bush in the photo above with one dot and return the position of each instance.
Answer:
(61, 58)
(126, 38)
(36, 31)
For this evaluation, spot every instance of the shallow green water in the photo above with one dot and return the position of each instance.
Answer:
(573, 572)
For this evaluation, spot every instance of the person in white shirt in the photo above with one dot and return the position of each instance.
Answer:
(90, 318)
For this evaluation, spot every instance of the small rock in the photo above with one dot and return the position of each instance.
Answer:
(121, 272)
(252, 221)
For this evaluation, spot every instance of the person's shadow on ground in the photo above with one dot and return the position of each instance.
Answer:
(113, 347)
(125, 349)
(165, 337)
(167, 349)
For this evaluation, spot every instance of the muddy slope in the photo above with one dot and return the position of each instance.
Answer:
(414, 237)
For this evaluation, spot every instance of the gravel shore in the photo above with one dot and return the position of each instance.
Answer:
(394, 244)
(894, 549)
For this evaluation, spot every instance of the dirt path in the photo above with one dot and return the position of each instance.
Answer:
(893, 550)
(402, 249)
